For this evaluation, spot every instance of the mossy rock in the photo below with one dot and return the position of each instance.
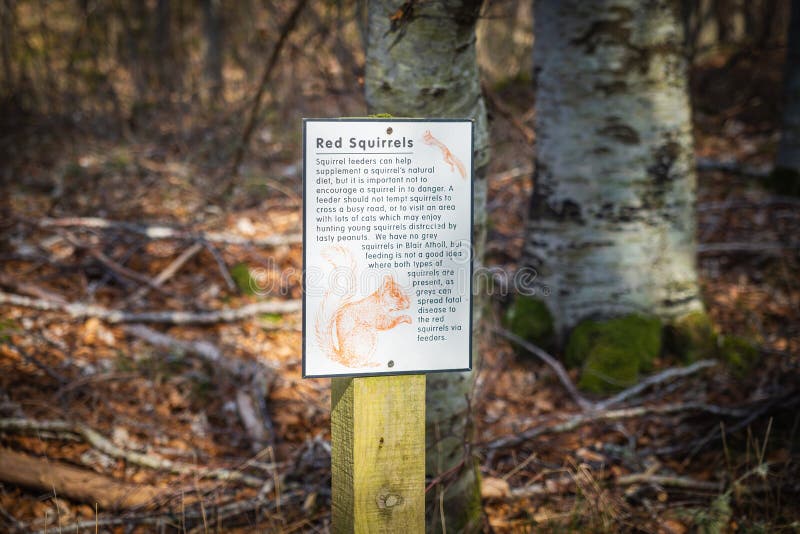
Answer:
(783, 181)
(739, 353)
(638, 335)
(609, 368)
(530, 319)
(692, 337)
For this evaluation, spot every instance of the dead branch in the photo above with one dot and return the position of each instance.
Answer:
(554, 364)
(102, 444)
(658, 378)
(549, 487)
(78, 310)
(241, 148)
(168, 272)
(112, 264)
(223, 269)
(167, 232)
(78, 484)
(669, 481)
(29, 289)
(581, 419)
(254, 419)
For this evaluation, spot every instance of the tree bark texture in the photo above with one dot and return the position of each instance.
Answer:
(612, 224)
(421, 62)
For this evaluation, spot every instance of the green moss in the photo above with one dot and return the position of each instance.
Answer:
(692, 337)
(530, 319)
(639, 335)
(739, 353)
(609, 368)
(244, 279)
(783, 181)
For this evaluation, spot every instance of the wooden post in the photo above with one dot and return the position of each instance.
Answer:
(378, 457)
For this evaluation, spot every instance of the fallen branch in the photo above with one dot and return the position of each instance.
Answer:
(581, 419)
(81, 311)
(254, 418)
(658, 378)
(554, 364)
(669, 481)
(168, 272)
(167, 232)
(72, 482)
(102, 444)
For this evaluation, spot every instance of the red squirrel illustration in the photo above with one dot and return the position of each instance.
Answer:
(449, 158)
(350, 334)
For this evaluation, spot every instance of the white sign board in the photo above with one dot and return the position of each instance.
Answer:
(387, 208)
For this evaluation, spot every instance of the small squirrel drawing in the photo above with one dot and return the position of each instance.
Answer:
(449, 158)
(350, 334)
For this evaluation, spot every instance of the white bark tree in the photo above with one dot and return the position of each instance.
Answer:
(421, 62)
(611, 229)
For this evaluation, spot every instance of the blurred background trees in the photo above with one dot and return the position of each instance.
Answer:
(136, 114)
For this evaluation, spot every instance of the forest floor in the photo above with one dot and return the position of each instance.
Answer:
(136, 221)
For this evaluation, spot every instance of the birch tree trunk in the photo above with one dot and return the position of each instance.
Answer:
(612, 225)
(422, 63)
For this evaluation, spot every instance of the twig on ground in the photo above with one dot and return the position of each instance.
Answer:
(251, 412)
(223, 269)
(581, 419)
(81, 311)
(554, 364)
(55, 375)
(27, 288)
(166, 232)
(670, 481)
(168, 272)
(658, 378)
(151, 461)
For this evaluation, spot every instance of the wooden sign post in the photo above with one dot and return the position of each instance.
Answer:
(378, 457)
(387, 285)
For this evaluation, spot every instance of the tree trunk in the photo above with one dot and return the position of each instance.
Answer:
(7, 16)
(162, 45)
(612, 224)
(213, 26)
(421, 62)
(789, 149)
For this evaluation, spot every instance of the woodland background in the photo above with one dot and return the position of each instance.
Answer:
(151, 178)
